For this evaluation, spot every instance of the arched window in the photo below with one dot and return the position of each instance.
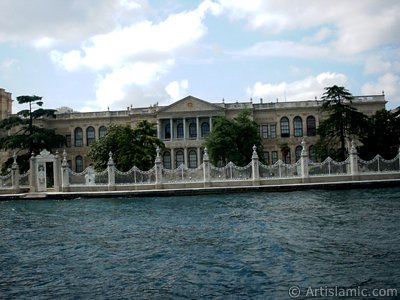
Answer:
(78, 137)
(90, 136)
(192, 159)
(298, 126)
(311, 127)
(179, 159)
(192, 130)
(179, 131)
(167, 131)
(312, 154)
(205, 129)
(285, 132)
(167, 160)
(298, 152)
(79, 164)
(102, 131)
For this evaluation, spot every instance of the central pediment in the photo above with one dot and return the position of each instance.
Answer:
(190, 104)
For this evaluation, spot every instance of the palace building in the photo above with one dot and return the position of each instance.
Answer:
(184, 125)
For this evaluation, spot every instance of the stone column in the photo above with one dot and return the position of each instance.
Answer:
(184, 128)
(158, 168)
(159, 129)
(211, 124)
(304, 162)
(32, 174)
(171, 126)
(206, 168)
(197, 128)
(56, 170)
(198, 156)
(172, 158)
(255, 167)
(15, 175)
(111, 173)
(185, 157)
(64, 173)
(353, 160)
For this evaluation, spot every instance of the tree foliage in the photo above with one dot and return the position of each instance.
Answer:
(383, 135)
(129, 147)
(22, 135)
(232, 140)
(344, 123)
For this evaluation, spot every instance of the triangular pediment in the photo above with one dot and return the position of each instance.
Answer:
(190, 104)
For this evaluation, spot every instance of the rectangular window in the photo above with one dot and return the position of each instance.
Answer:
(274, 157)
(264, 131)
(266, 157)
(272, 131)
(68, 140)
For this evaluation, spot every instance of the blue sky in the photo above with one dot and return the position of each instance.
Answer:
(96, 54)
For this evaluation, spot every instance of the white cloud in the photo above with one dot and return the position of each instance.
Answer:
(8, 63)
(305, 89)
(143, 41)
(375, 64)
(72, 20)
(357, 26)
(390, 84)
(138, 54)
(177, 89)
(113, 86)
(286, 49)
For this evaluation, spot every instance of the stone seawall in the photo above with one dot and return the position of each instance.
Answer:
(217, 187)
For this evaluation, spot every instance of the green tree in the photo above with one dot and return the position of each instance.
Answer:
(343, 123)
(232, 140)
(130, 147)
(22, 135)
(383, 135)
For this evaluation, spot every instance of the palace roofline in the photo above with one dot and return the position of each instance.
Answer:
(155, 109)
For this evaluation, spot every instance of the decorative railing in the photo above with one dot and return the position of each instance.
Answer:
(135, 176)
(279, 170)
(206, 173)
(378, 164)
(328, 167)
(6, 181)
(24, 179)
(231, 172)
(183, 174)
(88, 177)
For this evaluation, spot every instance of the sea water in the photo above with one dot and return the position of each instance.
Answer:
(232, 246)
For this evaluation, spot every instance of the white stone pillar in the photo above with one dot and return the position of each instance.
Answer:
(211, 124)
(56, 170)
(353, 160)
(255, 167)
(111, 173)
(206, 168)
(32, 174)
(304, 161)
(158, 169)
(65, 173)
(15, 175)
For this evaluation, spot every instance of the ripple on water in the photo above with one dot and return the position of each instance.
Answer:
(240, 246)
